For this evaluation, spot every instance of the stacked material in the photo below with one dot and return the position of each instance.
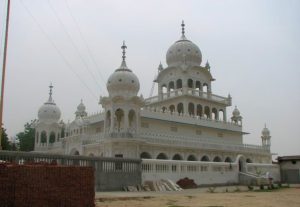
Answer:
(162, 185)
(187, 183)
(38, 185)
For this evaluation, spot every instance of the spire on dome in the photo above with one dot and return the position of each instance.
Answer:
(123, 65)
(183, 31)
(50, 93)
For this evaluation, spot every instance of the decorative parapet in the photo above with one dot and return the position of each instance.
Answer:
(96, 117)
(187, 119)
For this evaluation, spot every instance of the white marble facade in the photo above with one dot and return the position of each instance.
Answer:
(184, 121)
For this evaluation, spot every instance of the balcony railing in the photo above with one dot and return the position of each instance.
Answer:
(199, 143)
(193, 92)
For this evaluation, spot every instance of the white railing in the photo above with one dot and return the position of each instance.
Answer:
(260, 169)
(193, 92)
(198, 142)
(149, 112)
(201, 172)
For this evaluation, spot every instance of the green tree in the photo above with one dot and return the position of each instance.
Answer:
(26, 138)
(5, 144)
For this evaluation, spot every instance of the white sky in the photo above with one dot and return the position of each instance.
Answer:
(252, 46)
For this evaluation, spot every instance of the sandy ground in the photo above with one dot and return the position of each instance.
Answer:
(201, 198)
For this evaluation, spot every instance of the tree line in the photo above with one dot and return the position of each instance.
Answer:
(24, 141)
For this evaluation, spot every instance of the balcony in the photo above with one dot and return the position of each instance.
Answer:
(192, 92)
(190, 119)
(199, 143)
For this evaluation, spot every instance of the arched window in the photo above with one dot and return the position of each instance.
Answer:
(198, 86)
(214, 114)
(43, 137)
(171, 86)
(164, 88)
(191, 109)
(217, 159)
(37, 137)
(162, 156)
(145, 155)
(221, 115)
(164, 109)
(205, 87)
(172, 109)
(178, 84)
(248, 160)
(190, 83)
(52, 137)
(63, 133)
(180, 108)
(192, 158)
(74, 151)
(206, 112)
(177, 157)
(132, 118)
(119, 118)
(228, 159)
(205, 158)
(199, 110)
(108, 120)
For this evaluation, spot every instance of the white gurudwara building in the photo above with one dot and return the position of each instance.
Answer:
(184, 122)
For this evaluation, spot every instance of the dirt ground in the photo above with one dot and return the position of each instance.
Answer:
(202, 198)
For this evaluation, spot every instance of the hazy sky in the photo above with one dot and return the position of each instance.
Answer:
(253, 48)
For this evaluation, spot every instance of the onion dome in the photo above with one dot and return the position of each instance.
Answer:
(49, 111)
(81, 110)
(123, 82)
(265, 132)
(236, 112)
(184, 51)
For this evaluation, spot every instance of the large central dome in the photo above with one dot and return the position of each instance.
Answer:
(184, 51)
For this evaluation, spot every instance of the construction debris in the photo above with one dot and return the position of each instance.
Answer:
(187, 183)
(158, 185)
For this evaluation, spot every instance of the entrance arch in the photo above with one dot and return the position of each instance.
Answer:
(241, 161)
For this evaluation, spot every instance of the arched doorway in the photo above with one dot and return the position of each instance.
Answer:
(241, 160)
(145, 155)
(162, 156)
(192, 158)
(177, 157)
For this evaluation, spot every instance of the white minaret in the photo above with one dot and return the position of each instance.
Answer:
(236, 116)
(265, 137)
(81, 110)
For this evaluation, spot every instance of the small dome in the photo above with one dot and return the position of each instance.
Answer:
(236, 112)
(81, 110)
(265, 132)
(123, 82)
(184, 51)
(81, 107)
(49, 111)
